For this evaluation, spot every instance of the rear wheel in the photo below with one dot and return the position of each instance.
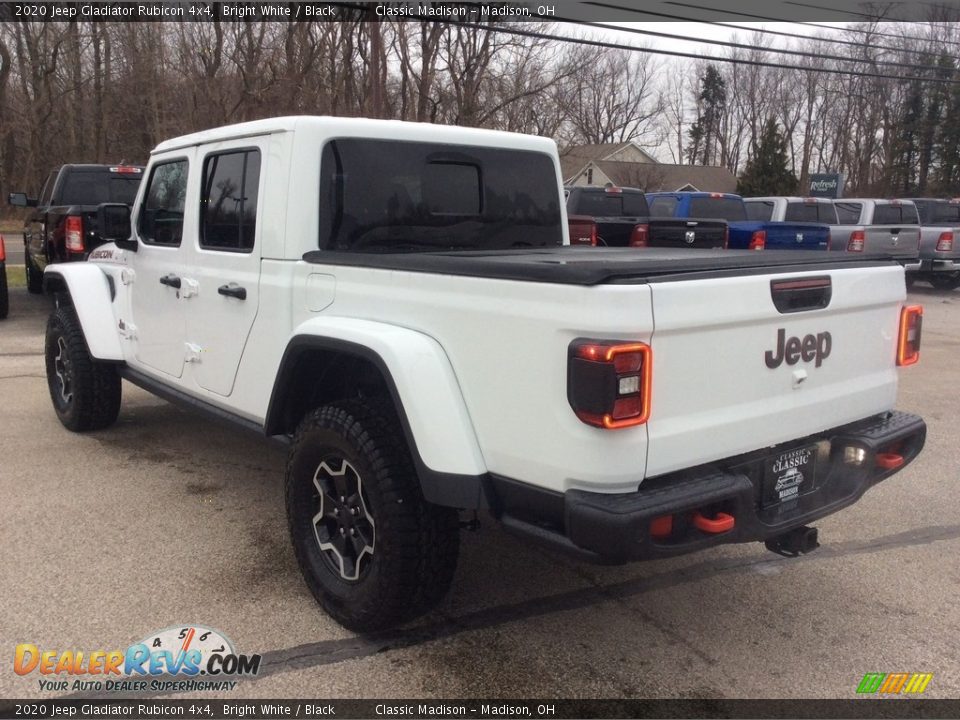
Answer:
(85, 392)
(945, 281)
(373, 552)
(34, 276)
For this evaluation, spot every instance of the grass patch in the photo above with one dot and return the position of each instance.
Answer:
(11, 226)
(16, 276)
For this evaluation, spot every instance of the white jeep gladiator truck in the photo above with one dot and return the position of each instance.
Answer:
(397, 302)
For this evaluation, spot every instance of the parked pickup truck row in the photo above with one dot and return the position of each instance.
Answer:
(395, 302)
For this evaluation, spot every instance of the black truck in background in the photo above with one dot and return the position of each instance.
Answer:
(62, 225)
(620, 217)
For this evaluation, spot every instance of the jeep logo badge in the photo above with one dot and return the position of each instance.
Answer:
(689, 237)
(792, 350)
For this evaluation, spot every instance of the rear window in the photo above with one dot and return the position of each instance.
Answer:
(389, 196)
(895, 215)
(722, 208)
(92, 187)
(848, 213)
(946, 213)
(600, 203)
(663, 206)
(814, 212)
(760, 210)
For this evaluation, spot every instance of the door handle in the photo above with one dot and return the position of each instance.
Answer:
(170, 281)
(240, 293)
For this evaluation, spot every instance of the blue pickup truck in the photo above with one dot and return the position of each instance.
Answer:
(745, 234)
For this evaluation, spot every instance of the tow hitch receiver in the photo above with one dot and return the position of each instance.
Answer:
(799, 541)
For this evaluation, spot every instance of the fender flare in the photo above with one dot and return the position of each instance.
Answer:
(91, 292)
(424, 390)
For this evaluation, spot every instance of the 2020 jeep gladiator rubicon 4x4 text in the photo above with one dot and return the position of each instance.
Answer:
(395, 301)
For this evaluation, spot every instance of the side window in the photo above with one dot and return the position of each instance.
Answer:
(47, 192)
(228, 200)
(161, 217)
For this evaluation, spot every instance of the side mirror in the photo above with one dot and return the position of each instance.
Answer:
(113, 222)
(21, 200)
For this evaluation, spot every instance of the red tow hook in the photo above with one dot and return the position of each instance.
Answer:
(889, 460)
(716, 525)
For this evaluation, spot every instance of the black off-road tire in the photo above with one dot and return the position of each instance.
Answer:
(85, 392)
(416, 544)
(34, 276)
(945, 281)
(4, 294)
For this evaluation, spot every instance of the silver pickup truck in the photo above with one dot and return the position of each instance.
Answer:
(939, 243)
(888, 227)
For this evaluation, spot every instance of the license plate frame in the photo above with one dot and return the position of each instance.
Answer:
(788, 474)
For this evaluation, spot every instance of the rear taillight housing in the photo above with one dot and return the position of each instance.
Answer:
(858, 240)
(726, 237)
(945, 242)
(608, 382)
(583, 231)
(908, 344)
(758, 241)
(3, 250)
(73, 233)
(640, 237)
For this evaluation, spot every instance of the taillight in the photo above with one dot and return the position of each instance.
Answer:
(640, 237)
(945, 242)
(73, 233)
(908, 344)
(758, 241)
(3, 250)
(583, 231)
(726, 237)
(857, 240)
(608, 382)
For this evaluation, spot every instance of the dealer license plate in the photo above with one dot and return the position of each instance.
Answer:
(789, 474)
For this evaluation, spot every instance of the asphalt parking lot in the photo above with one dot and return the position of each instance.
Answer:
(166, 519)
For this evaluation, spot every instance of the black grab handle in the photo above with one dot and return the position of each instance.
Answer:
(170, 281)
(233, 291)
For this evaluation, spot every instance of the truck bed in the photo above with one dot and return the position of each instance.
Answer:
(594, 266)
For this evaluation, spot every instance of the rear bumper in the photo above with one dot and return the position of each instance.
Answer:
(932, 265)
(603, 527)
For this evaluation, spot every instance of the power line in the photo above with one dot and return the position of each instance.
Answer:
(742, 46)
(811, 24)
(676, 53)
(765, 31)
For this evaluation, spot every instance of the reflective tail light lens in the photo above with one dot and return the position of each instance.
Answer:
(640, 237)
(608, 382)
(759, 240)
(73, 233)
(3, 250)
(857, 240)
(945, 242)
(908, 344)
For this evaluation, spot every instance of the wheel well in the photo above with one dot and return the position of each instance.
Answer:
(318, 376)
(53, 283)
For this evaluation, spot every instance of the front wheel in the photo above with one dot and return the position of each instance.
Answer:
(945, 281)
(373, 552)
(85, 392)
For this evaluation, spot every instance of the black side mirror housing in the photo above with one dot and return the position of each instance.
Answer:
(18, 199)
(113, 221)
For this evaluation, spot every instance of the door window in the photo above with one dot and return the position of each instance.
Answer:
(161, 219)
(228, 201)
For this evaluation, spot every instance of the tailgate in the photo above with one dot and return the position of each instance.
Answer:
(797, 236)
(687, 233)
(615, 231)
(726, 375)
(901, 241)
